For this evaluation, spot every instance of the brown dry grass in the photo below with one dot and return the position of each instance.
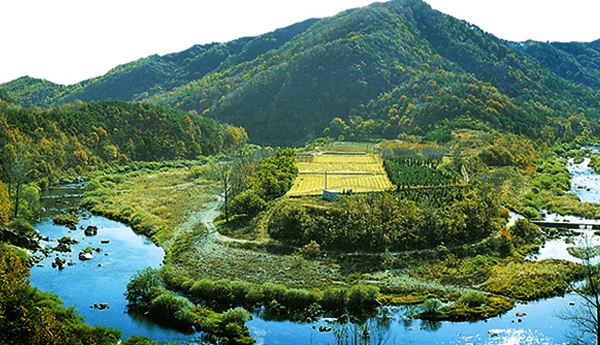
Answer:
(165, 199)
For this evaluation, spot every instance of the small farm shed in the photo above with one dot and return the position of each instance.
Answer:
(331, 194)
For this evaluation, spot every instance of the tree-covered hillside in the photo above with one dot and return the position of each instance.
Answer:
(378, 71)
(147, 76)
(74, 138)
(387, 69)
(578, 62)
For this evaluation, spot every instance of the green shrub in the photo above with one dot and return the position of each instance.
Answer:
(363, 297)
(208, 324)
(272, 292)
(202, 290)
(221, 291)
(254, 295)
(126, 211)
(248, 203)
(23, 227)
(334, 298)
(240, 290)
(431, 305)
(166, 306)
(299, 298)
(311, 250)
(92, 185)
(65, 219)
(138, 340)
(138, 289)
(236, 315)
(472, 298)
(531, 213)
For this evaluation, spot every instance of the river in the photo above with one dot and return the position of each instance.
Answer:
(104, 278)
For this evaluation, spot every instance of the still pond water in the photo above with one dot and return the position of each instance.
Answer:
(104, 278)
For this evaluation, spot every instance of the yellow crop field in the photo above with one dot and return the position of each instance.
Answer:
(361, 173)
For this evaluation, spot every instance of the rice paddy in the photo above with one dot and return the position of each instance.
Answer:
(360, 172)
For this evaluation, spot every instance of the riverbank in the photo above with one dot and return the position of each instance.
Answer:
(197, 252)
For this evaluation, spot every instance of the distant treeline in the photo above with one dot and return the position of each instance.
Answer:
(73, 138)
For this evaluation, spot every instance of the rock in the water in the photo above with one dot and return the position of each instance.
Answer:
(324, 328)
(101, 306)
(91, 230)
(59, 263)
(85, 256)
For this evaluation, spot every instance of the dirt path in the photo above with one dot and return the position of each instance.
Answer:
(207, 216)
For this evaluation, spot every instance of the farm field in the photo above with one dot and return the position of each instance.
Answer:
(359, 172)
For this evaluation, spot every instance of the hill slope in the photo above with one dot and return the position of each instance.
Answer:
(377, 71)
(145, 77)
(74, 138)
(578, 62)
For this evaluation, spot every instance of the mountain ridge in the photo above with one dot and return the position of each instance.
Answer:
(382, 70)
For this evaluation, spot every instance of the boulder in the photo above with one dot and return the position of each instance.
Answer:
(91, 230)
(101, 306)
(83, 256)
(59, 263)
(67, 240)
(63, 248)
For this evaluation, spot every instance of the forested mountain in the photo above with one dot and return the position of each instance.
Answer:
(377, 71)
(578, 62)
(147, 76)
(76, 137)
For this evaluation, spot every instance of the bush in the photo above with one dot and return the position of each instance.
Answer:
(272, 292)
(237, 315)
(139, 340)
(430, 305)
(299, 298)
(525, 230)
(531, 213)
(203, 289)
(287, 224)
(221, 291)
(166, 305)
(139, 288)
(472, 299)
(248, 203)
(311, 250)
(363, 297)
(240, 290)
(335, 298)
(23, 227)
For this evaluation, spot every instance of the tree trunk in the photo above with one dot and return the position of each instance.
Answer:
(227, 210)
(17, 201)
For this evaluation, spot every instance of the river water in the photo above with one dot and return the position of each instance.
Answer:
(104, 278)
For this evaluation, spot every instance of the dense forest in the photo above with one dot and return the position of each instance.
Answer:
(78, 137)
(378, 71)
